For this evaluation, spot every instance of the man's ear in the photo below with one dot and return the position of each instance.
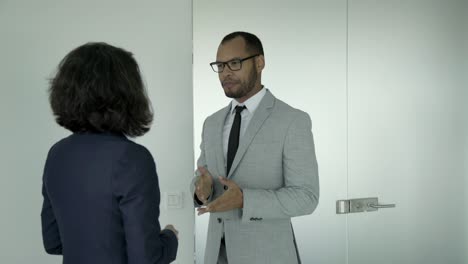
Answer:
(260, 59)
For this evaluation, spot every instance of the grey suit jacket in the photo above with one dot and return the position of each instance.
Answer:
(276, 167)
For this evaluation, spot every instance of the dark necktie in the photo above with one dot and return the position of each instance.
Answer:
(234, 138)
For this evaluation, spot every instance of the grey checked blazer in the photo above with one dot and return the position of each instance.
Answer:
(276, 167)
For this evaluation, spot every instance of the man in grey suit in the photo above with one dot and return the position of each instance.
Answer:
(265, 150)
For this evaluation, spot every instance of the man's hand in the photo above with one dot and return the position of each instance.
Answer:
(231, 199)
(203, 185)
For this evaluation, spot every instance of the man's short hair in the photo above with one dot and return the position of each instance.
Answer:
(98, 88)
(252, 42)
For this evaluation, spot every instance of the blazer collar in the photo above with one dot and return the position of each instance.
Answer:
(260, 115)
(258, 118)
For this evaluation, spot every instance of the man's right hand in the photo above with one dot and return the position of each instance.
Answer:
(203, 185)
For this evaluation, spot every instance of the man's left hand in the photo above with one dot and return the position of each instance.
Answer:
(232, 198)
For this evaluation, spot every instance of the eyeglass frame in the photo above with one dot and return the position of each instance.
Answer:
(213, 64)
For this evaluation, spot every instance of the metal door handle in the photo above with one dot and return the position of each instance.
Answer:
(378, 206)
(360, 205)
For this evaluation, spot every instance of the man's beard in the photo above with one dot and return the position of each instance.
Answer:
(245, 87)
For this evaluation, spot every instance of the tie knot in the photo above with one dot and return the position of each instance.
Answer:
(239, 109)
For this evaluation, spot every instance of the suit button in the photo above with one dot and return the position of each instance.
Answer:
(219, 220)
(225, 187)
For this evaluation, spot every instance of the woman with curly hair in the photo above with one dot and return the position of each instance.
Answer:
(101, 191)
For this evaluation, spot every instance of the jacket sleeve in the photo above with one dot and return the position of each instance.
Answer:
(136, 188)
(300, 193)
(201, 162)
(50, 231)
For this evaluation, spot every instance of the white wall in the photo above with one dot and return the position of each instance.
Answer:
(35, 36)
(464, 25)
(305, 53)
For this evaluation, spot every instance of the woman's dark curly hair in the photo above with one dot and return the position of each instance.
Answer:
(98, 88)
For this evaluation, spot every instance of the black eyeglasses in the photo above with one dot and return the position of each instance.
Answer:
(233, 65)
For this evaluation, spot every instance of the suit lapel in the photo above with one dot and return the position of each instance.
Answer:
(261, 114)
(218, 138)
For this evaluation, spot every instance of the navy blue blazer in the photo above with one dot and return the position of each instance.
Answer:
(101, 203)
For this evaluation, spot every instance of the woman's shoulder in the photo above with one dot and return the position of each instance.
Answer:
(112, 144)
(136, 150)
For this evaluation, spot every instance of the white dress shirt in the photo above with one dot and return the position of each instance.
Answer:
(246, 115)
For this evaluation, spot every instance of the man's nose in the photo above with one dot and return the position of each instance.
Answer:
(226, 72)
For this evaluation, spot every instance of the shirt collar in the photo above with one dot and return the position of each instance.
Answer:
(252, 103)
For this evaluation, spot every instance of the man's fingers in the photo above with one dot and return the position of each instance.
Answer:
(218, 205)
(223, 180)
(226, 181)
(203, 171)
(206, 209)
(201, 197)
(201, 211)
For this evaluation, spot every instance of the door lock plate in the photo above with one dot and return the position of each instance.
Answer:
(356, 205)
